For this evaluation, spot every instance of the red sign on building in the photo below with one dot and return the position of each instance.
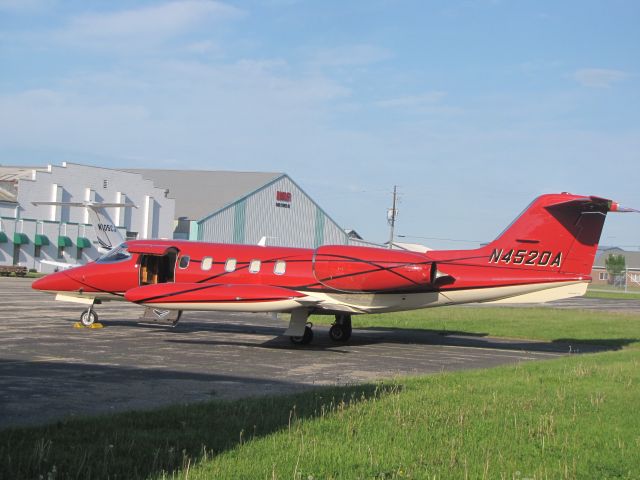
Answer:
(283, 199)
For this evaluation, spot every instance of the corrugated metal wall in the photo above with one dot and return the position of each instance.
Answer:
(289, 218)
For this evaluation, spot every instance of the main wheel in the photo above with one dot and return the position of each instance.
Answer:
(339, 333)
(88, 318)
(305, 339)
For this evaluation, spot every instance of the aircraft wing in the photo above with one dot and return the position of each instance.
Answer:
(208, 296)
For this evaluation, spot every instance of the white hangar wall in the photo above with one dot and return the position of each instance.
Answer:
(64, 234)
(280, 211)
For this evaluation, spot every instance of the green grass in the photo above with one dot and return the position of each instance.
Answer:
(618, 295)
(574, 417)
(531, 323)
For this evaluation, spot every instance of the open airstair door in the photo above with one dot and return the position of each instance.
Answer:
(157, 263)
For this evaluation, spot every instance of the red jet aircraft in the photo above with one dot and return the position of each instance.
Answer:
(546, 254)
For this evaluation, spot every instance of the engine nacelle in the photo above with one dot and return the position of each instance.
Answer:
(366, 269)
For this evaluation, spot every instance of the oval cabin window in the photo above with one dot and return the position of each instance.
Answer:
(254, 266)
(207, 262)
(230, 265)
(280, 267)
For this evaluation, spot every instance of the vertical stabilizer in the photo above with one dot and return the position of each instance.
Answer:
(107, 233)
(559, 232)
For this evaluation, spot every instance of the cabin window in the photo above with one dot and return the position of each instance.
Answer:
(280, 267)
(254, 266)
(206, 264)
(184, 261)
(230, 265)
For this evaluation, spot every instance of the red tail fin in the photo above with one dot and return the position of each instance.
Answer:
(557, 231)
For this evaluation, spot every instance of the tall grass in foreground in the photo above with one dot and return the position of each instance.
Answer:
(571, 418)
(575, 417)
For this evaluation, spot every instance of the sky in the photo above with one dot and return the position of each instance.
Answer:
(472, 107)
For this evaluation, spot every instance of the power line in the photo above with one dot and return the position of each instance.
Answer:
(442, 239)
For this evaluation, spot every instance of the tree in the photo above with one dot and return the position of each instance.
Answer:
(616, 266)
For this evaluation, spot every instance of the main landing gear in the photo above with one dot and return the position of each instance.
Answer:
(305, 338)
(300, 330)
(340, 331)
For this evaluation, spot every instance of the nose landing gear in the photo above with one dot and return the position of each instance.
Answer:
(88, 317)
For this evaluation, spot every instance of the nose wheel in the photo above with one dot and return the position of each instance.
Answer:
(340, 331)
(88, 317)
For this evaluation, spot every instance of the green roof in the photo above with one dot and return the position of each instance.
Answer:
(41, 240)
(64, 241)
(20, 238)
(83, 242)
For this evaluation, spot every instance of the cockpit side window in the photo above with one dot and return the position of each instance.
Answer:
(118, 254)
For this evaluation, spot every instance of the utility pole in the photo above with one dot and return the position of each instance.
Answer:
(392, 213)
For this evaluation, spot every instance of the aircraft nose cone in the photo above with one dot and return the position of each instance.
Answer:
(55, 282)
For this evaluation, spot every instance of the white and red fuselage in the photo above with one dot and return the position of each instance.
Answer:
(546, 253)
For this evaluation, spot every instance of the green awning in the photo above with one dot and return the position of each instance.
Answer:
(83, 242)
(3, 237)
(20, 238)
(41, 240)
(64, 241)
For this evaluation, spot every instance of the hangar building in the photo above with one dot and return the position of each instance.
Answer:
(245, 207)
(29, 233)
(212, 206)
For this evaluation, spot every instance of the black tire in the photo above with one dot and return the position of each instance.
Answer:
(88, 318)
(305, 339)
(338, 333)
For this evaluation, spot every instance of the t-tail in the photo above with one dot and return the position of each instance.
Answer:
(557, 233)
(107, 233)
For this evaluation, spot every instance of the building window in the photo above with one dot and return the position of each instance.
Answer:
(280, 267)
(60, 252)
(603, 276)
(254, 266)
(36, 251)
(635, 277)
(184, 262)
(206, 264)
(79, 254)
(230, 265)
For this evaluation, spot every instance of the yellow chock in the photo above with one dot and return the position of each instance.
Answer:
(93, 325)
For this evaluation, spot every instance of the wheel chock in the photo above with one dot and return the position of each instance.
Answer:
(93, 325)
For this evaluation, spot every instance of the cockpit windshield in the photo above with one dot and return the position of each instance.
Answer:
(118, 254)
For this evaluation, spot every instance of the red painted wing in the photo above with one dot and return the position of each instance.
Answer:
(208, 293)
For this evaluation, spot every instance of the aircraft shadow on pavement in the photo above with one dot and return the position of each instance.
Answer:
(186, 429)
(369, 336)
(374, 336)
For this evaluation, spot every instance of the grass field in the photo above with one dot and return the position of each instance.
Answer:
(540, 323)
(574, 417)
(620, 295)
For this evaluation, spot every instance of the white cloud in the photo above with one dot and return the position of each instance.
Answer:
(599, 77)
(154, 23)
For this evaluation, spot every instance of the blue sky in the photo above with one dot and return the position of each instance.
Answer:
(471, 107)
